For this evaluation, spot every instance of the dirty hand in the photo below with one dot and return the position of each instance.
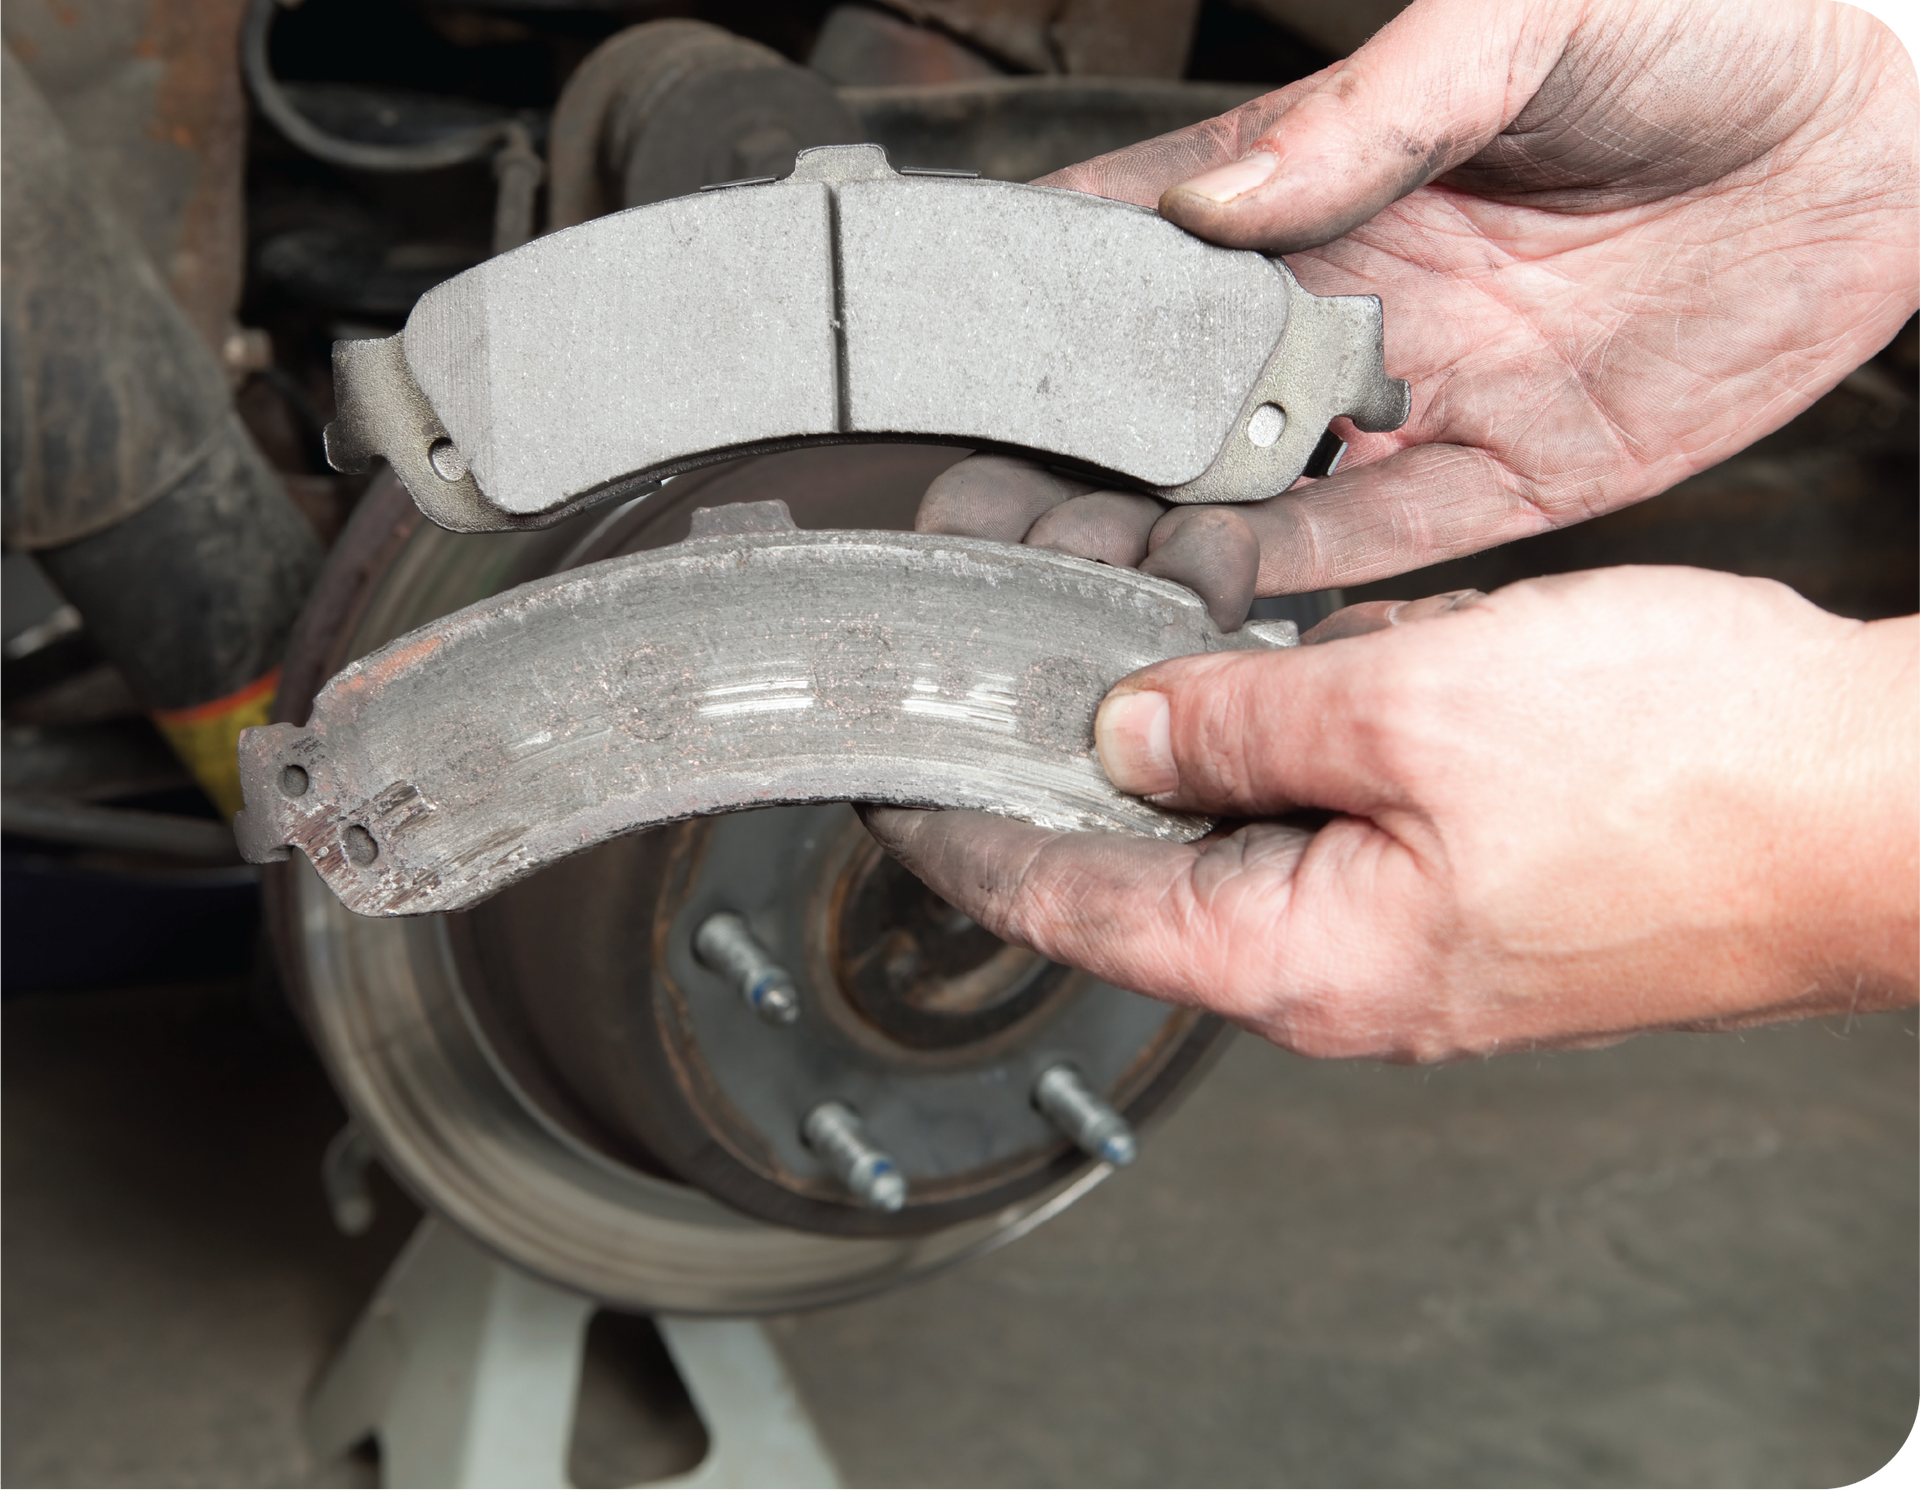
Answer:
(1582, 806)
(1616, 241)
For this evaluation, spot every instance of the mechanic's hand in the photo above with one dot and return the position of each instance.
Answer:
(1617, 240)
(1582, 806)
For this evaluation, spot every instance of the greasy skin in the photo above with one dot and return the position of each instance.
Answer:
(1616, 241)
(1577, 808)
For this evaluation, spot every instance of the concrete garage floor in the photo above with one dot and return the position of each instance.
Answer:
(1683, 1261)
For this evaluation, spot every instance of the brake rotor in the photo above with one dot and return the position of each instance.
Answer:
(558, 1070)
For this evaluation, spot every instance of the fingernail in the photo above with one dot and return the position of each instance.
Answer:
(1224, 183)
(1133, 733)
(1409, 611)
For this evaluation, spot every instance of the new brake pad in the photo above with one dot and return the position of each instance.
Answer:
(850, 301)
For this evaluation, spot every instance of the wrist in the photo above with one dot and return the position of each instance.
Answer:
(1857, 894)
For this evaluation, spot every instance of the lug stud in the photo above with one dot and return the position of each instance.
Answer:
(832, 1130)
(1081, 1113)
(724, 943)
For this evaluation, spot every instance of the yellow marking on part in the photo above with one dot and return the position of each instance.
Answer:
(206, 736)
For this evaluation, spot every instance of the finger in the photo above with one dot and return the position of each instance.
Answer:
(1412, 509)
(1246, 734)
(1222, 923)
(1080, 898)
(1109, 526)
(1427, 93)
(1140, 173)
(1257, 734)
(1212, 551)
(1377, 615)
(993, 496)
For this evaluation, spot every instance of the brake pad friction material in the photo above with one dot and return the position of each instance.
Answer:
(850, 301)
(751, 665)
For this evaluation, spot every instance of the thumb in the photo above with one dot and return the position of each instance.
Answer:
(1240, 734)
(1255, 734)
(1426, 94)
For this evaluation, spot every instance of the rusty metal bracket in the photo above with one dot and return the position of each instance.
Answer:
(851, 301)
(750, 665)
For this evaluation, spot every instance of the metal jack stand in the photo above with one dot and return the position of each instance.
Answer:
(466, 1371)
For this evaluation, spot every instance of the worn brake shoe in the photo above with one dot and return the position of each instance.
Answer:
(750, 665)
(850, 301)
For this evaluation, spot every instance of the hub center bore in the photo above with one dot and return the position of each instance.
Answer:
(920, 971)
